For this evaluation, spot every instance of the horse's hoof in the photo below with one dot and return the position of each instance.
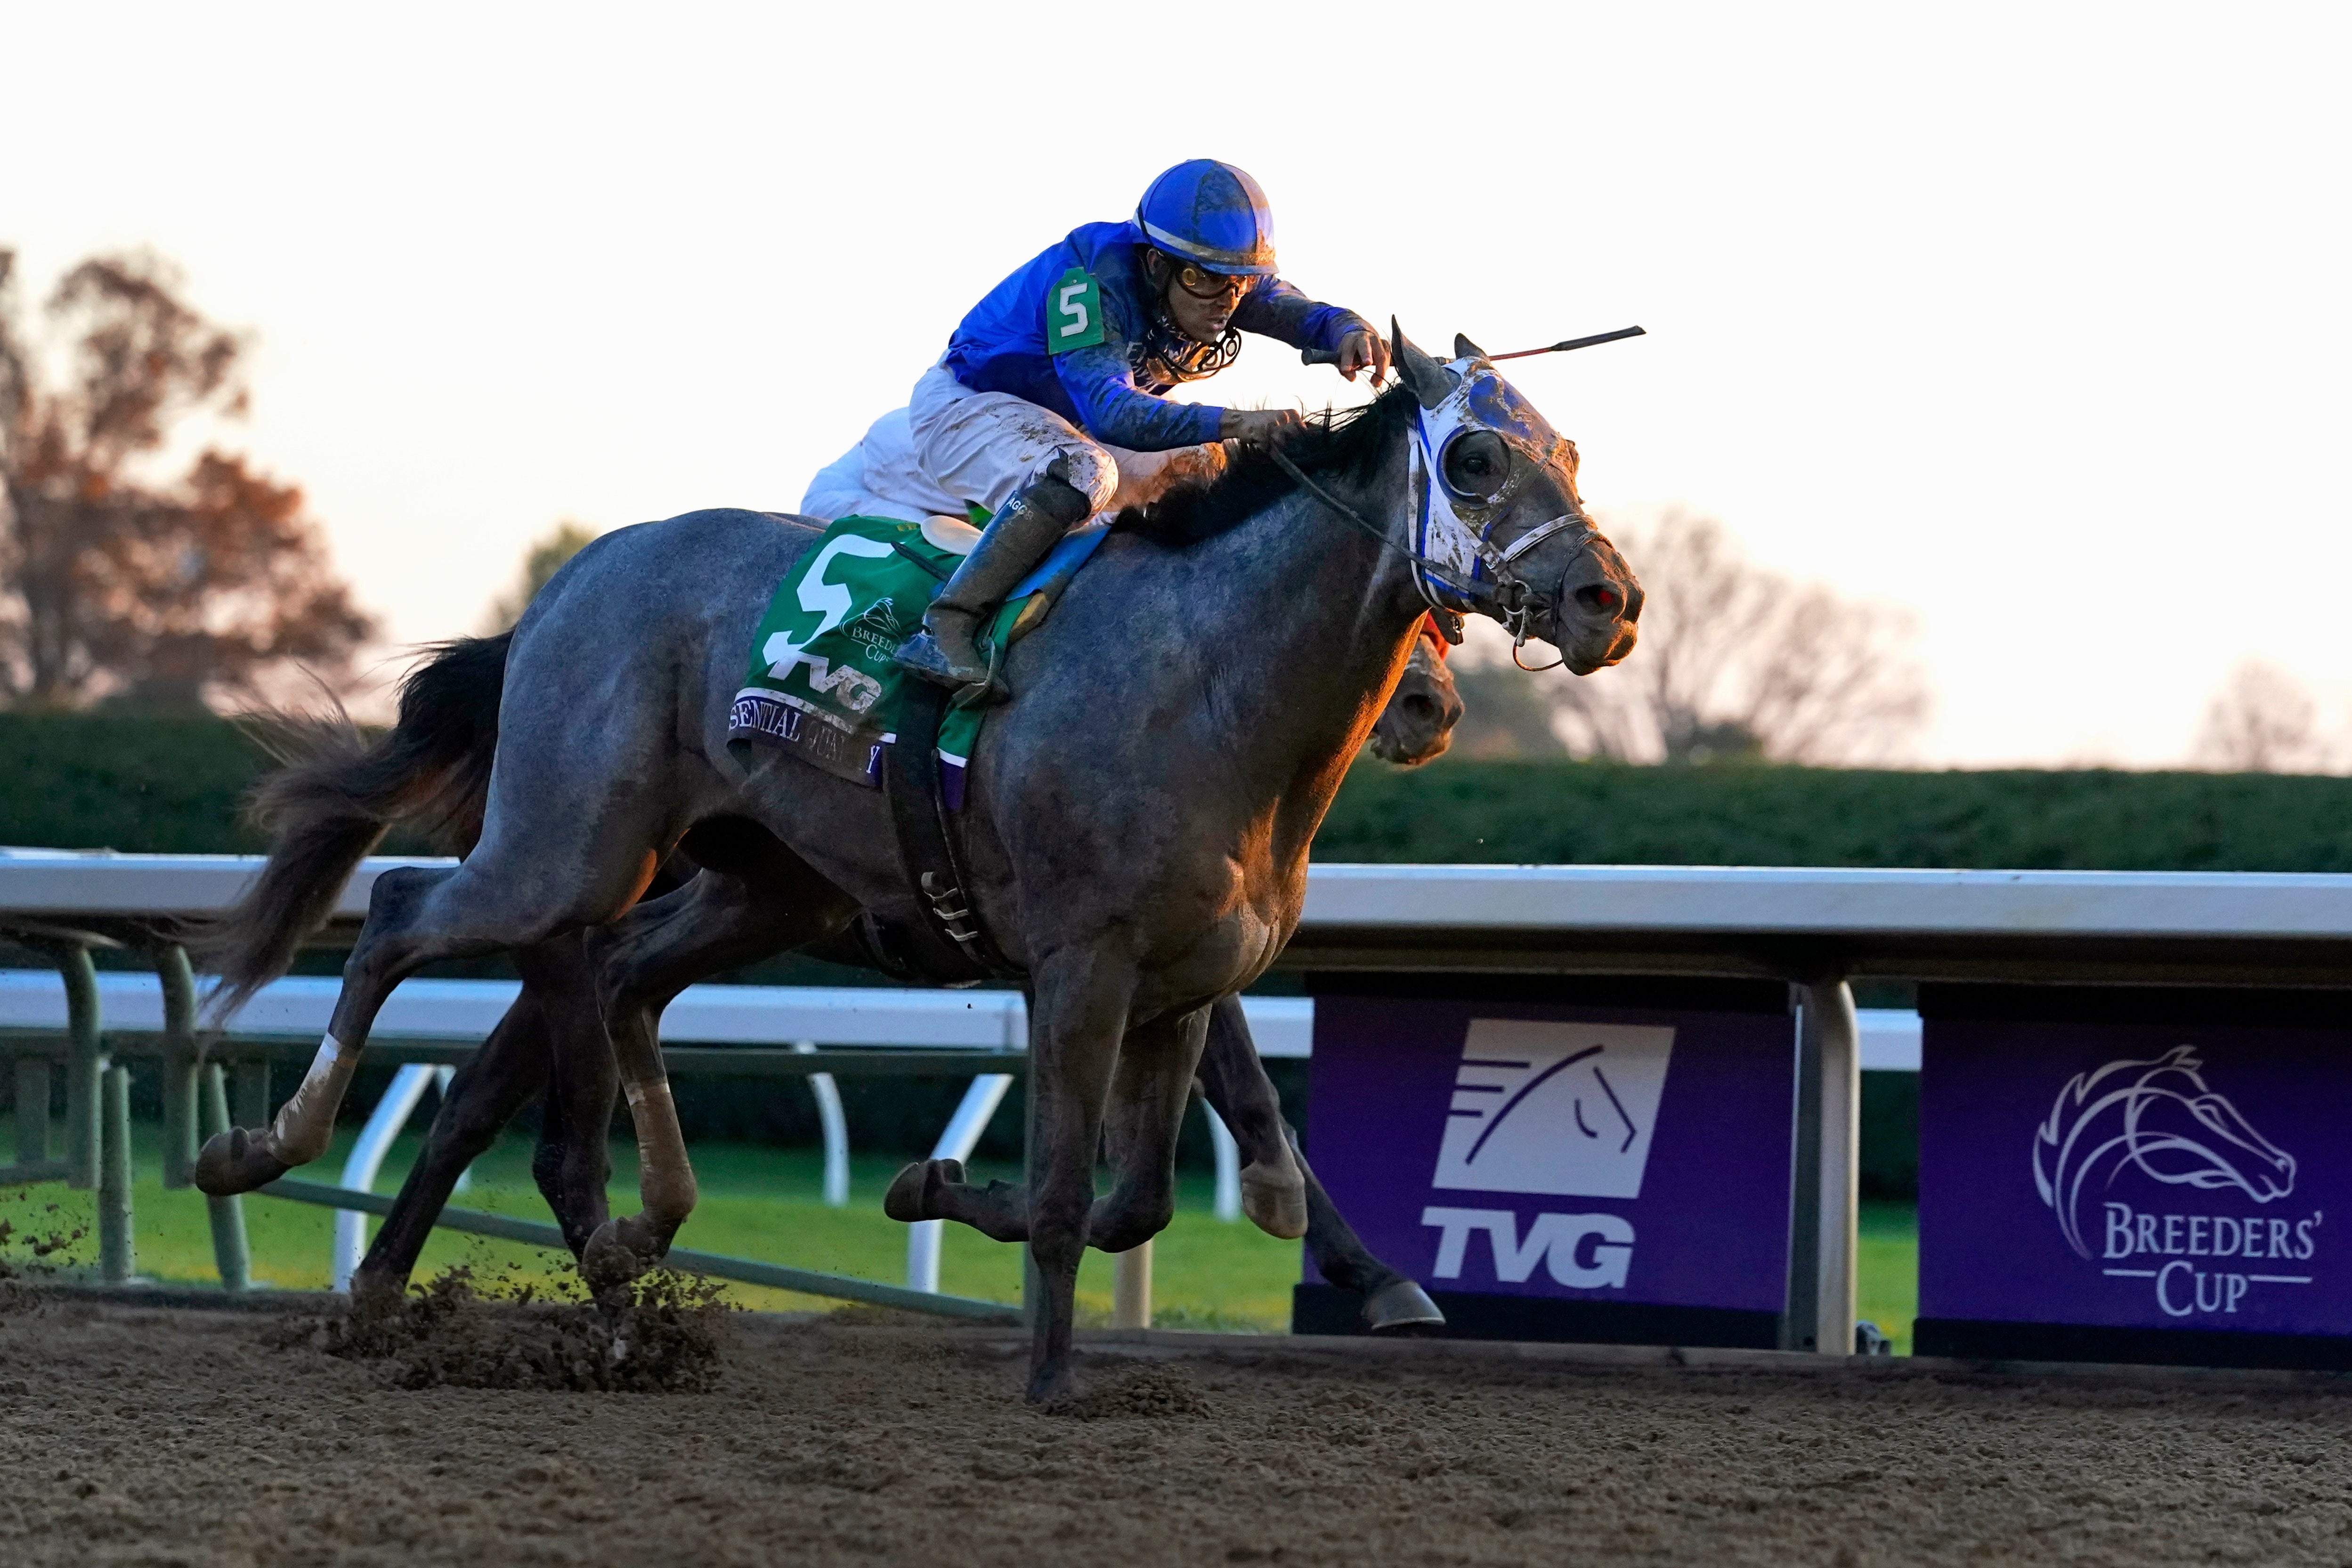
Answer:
(377, 1294)
(1276, 1203)
(235, 1162)
(1400, 1307)
(908, 1201)
(1053, 1388)
(620, 1250)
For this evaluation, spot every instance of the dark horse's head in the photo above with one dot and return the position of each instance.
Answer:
(1496, 521)
(1418, 724)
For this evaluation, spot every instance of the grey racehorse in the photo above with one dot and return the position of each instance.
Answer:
(553, 1040)
(1137, 821)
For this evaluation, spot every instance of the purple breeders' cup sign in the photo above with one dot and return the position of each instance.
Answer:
(1554, 1153)
(2130, 1163)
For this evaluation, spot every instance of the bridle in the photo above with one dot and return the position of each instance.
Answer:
(1457, 564)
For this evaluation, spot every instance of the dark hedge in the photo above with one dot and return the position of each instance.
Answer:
(1611, 814)
(92, 781)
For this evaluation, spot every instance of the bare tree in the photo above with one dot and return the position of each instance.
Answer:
(2262, 720)
(112, 584)
(1737, 661)
(543, 560)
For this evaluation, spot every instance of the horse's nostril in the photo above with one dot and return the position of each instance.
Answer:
(1599, 598)
(1420, 708)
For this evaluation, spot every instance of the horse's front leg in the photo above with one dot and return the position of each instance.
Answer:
(1233, 1081)
(1150, 1091)
(573, 1162)
(1393, 1302)
(1075, 1026)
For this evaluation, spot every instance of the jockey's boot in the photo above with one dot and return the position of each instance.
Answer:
(1027, 526)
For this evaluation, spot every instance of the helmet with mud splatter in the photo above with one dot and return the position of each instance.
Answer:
(1213, 215)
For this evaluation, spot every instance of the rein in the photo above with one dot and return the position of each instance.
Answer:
(1512, 601)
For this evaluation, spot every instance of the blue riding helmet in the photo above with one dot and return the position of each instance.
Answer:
(1211, 214)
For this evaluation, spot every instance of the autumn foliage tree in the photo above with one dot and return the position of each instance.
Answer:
(115, 584)
(1735, 662)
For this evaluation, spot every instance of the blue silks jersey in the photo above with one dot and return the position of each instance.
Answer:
(1109, 387)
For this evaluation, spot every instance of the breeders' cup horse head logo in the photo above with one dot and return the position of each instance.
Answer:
(2157, 1118)
(878, 625)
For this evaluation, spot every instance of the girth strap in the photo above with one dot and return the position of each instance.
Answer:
(949, 942)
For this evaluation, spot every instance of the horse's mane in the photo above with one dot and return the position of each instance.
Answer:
(1347, 444)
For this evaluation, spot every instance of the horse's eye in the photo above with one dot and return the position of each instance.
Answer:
(1476, 464)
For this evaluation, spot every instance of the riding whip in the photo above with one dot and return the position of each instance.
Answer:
(1331, 356)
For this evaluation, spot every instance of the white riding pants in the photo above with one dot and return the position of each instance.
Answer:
(951, 446)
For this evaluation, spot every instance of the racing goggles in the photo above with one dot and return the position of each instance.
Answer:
(1203, 284)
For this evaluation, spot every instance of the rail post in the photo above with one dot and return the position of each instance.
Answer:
(1824, 1189)
(835, 1126)
(179, 984)
(83, 1062)
(118, 1255)
(253, 1092)
(231, 1256)
(195, 1106)
(1130, 1287)
(31, 1111)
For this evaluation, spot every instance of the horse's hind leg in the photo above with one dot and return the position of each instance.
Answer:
(643, 961)
(1150, 1091)
(568, 866)
(482, 1098)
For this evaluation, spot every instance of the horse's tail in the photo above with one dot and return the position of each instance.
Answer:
(336, 794)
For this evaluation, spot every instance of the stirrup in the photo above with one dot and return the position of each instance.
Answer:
(922, 657)
(987, 691)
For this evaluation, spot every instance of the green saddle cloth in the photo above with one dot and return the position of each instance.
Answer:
(822, 684)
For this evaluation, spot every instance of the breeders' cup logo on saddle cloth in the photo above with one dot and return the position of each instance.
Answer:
(2161, 1122)
(1555, 1109)
(877, 630)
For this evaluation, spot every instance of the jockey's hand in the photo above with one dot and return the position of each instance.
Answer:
(1362, 350)
(1259, 427)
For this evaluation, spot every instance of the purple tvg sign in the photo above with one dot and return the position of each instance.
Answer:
(2135, 1176)
(1561, 1159)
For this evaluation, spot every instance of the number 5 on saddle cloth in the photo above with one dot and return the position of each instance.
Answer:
(822, 684)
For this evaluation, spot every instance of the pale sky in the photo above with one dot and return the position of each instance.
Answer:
(2031, 319)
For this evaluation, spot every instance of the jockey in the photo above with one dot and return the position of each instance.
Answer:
(1048, 396)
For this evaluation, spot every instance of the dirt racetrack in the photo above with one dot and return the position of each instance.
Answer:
(147, 1436)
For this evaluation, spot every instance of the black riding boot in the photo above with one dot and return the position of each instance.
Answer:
(1028, 525)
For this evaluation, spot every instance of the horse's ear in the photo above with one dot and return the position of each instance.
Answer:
(1430, 382)
(1465, 349)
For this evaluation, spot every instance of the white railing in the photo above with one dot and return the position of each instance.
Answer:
(1814, 928)
(806, 1018)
